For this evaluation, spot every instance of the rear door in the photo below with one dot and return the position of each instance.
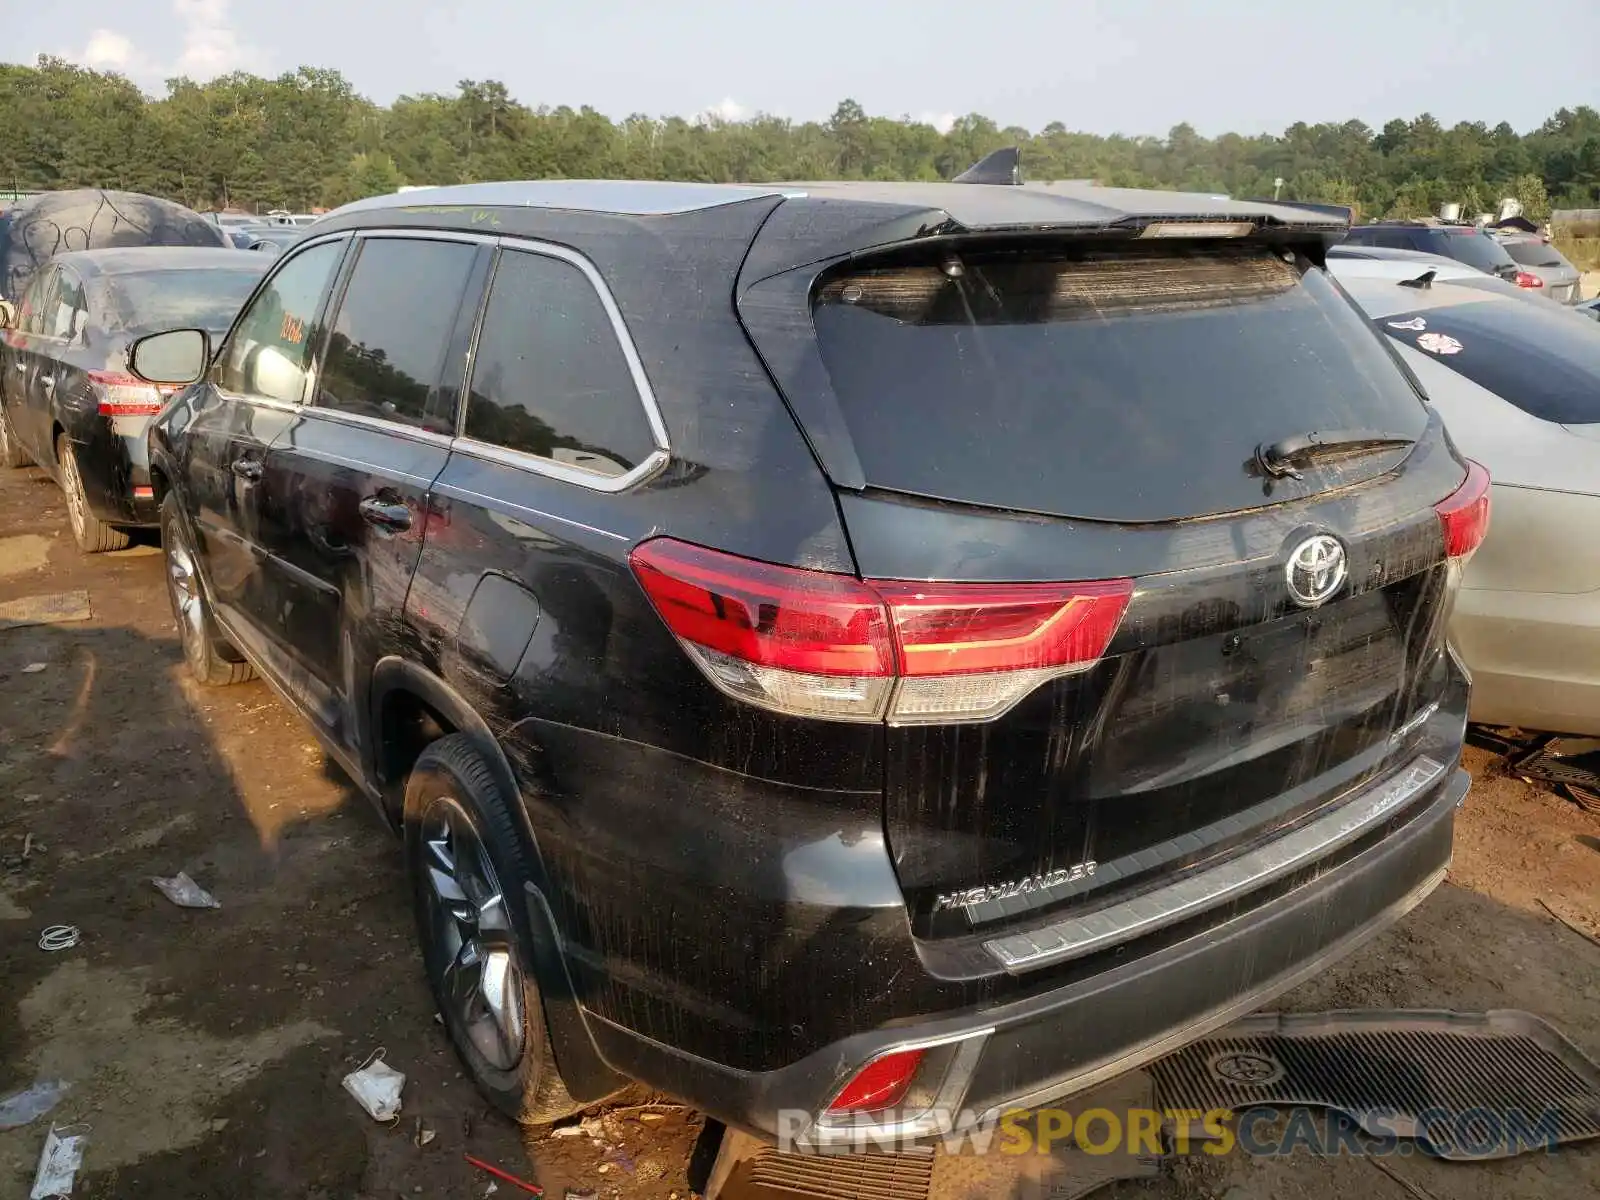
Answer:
(1106, 416)
(27, 402)
(346, 482)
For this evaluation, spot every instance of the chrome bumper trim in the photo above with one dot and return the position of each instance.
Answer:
(1078, 935)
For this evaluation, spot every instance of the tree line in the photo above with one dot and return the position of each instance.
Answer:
(307, 139)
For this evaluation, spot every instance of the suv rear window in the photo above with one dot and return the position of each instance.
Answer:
(1533, 254)
(1107, 384)
(1538, 357)
(1470, 246)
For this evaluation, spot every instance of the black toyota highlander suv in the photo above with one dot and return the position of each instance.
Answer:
(871, 649)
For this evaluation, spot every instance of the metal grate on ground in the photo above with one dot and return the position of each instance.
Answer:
(1469, 1086)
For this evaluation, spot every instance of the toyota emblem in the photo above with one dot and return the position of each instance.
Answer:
(1316, 570)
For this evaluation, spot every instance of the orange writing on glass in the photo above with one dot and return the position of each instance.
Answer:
(293, 330)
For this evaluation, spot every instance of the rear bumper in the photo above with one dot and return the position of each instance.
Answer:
(1063, 1040)
(112, 464)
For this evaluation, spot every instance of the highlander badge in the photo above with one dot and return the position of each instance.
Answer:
(1017, 887)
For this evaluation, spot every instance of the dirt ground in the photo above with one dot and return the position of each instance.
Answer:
(206, 1048)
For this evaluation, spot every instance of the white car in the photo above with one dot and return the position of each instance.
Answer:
(1518, 386)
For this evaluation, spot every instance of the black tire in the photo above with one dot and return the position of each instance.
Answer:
(11, 452)
(92, 534)
(211, 658)
(451, 782)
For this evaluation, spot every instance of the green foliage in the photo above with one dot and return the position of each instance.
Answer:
(305, 139)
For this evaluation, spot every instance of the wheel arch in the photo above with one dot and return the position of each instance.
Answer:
(397, 680)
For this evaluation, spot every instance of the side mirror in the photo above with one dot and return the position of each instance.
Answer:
(8, 315)
(179, 356)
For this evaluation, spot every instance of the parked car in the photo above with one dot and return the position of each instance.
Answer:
(1464, 243)
(1373, 262)
(1590, 308)
(1518, 386)
(863, 649)
(1535, 256)
(91, 219)
(273, 239)
(67, 401)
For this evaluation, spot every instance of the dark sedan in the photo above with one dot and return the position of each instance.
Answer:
(67, 399)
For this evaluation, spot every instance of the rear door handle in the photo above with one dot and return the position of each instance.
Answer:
(247, 468)
(386, 514)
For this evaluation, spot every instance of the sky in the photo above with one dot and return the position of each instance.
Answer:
(1102, 66)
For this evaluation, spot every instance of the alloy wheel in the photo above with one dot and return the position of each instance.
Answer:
(187, 604)
(73, 487)
(469, 925)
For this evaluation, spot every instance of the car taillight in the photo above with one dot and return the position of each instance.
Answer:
(818, 644)
(881, 1084)
(1464, 514)
(125, 396)
(1526, 280)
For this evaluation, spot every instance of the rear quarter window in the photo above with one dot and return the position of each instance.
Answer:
(1542, 359)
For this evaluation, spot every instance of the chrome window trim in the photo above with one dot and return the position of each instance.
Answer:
(381, 424)
(1080, 934)
(522, 461)
(644, 393)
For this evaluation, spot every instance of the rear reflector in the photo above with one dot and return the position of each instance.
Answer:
(125, 396)
(1464, 514)
(881, 1084)
(144, 493)
(817, 644)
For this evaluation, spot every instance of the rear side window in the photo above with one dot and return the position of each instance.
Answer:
(1533, 254)
(549, 376)
(271, 344)
(1116, 385)
(1470, 246)
(1536, 356)
(207, 299)
(35, 301)
(388, 341)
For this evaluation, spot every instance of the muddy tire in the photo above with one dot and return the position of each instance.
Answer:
(11, 452)
(211, 658)
(92, 534)
(468, 867)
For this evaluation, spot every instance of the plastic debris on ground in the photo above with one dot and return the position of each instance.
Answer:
(588, 1127)
(376, 1086)
(59, 937)
(422, 1134)
(185, 892)
(59, 1162)
(34, 668)
(30, 1104)
(532, 1189)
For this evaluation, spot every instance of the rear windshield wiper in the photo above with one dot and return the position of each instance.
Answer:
(1277, 459)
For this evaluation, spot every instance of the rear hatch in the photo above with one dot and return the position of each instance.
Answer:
(1032, 409)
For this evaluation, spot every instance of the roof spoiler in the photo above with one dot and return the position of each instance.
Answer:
(1003, 166)
(1342, 212)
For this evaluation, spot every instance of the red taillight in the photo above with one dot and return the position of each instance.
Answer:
(1464, 514)
(125, 396)
(814, 643)
(881, 1084)
(1526, 280)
